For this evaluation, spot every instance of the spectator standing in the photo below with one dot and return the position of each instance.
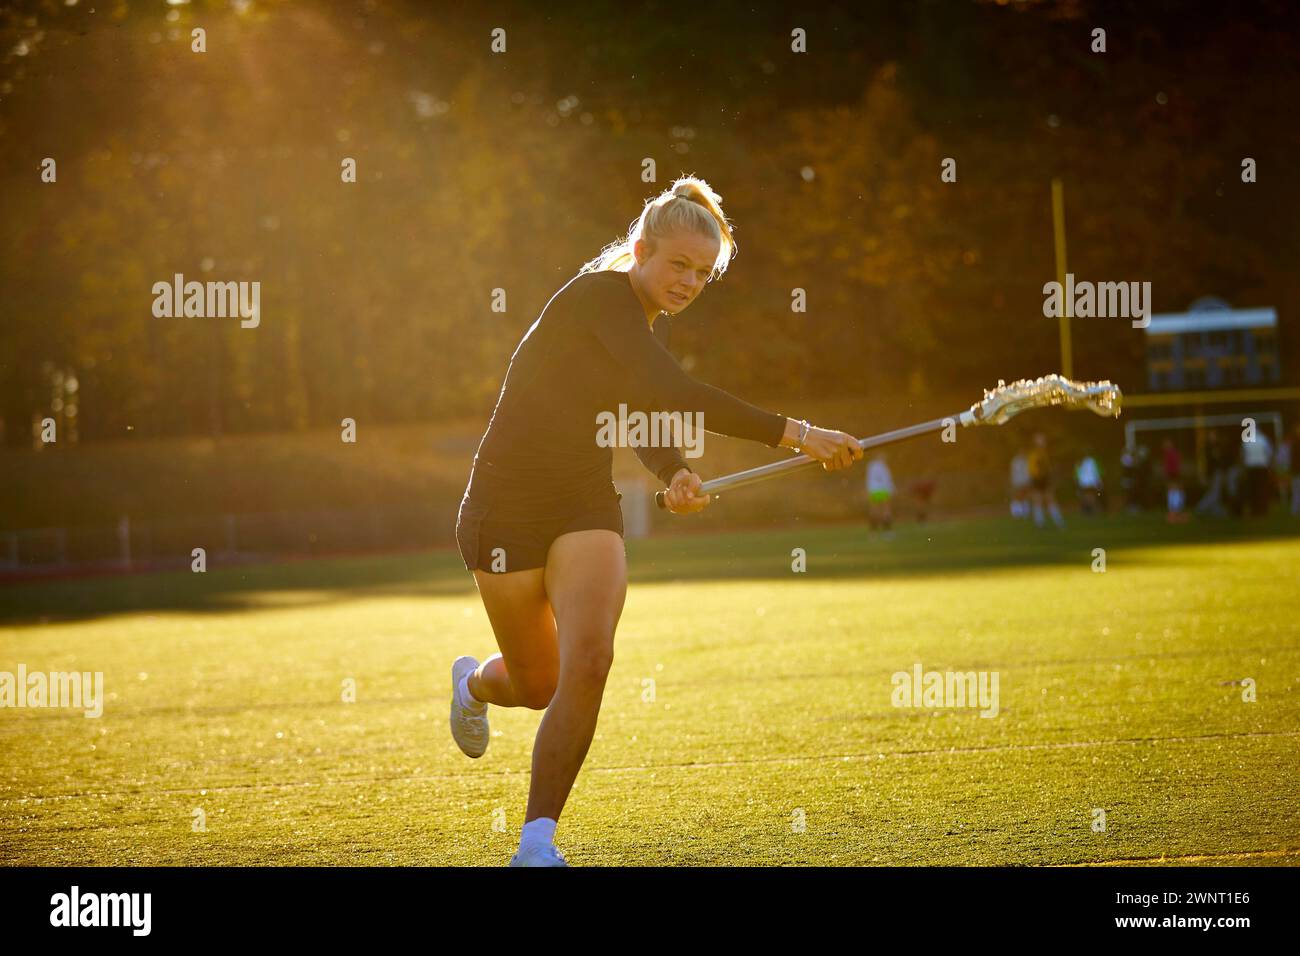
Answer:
(1128, 463)
(922, 491)
(1216, 466)
(1257, 458)
(1172, 463)
(1020, 485)
(1142, 478)
(1283, 467)
(1040, 480)
(1087, 476)
(880, 494)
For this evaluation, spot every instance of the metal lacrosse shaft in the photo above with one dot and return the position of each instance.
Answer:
(750, 476)
(998, 406)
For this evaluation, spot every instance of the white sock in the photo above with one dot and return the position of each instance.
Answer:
(539, 832)
(467, 698)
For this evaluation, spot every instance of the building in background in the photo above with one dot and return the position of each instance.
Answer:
(1212, 345)
(1210, 369)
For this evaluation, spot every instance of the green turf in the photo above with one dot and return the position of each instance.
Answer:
(772, 701)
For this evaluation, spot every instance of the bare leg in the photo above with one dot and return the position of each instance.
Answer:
(586, 580)
(524, 674)
(490, 683)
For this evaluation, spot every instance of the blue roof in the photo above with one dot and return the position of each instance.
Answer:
(1211, 320)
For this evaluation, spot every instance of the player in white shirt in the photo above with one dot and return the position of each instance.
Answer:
(1087, 475)
(880, 494)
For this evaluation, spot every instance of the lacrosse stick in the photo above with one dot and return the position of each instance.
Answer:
(998, 406)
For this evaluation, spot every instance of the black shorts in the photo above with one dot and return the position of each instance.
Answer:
(1041, 484)
(497, 541)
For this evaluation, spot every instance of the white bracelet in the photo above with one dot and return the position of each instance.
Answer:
(804, 427)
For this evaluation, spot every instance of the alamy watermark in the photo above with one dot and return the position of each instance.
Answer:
(1085, 300)
(75, 908)
(933, 690)
(77, 689)
(638, 429)
(213, 300)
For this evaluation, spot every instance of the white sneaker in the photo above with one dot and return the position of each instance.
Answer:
(468, 729)
(537, 854)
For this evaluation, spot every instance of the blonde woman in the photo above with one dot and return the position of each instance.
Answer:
(540, 525)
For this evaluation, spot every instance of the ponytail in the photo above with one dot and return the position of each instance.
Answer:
(689, 206)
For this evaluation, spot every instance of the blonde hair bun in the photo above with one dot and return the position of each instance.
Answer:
(661, 217)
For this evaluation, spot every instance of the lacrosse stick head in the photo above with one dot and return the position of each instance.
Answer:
(1006, 401)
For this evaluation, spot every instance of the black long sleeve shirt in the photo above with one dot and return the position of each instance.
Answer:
(589, 351)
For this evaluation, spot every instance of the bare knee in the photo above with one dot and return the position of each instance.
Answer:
(590, 661)
(534, 691)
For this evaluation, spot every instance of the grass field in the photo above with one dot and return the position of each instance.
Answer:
(771, 705)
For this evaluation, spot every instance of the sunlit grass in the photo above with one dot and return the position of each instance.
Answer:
(766, 737)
